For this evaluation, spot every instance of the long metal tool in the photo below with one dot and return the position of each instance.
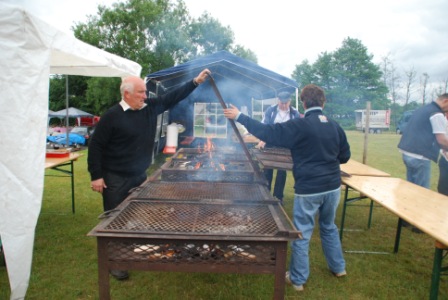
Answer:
(237, 133)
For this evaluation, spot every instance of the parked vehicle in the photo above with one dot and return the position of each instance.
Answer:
(79, 135)
(379, 120)
(404, 120)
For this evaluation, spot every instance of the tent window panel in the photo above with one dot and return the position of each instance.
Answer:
(209, 120)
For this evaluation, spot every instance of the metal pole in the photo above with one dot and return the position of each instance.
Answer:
(232, 122)
(67, 142)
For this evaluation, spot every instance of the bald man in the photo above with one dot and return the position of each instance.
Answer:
(121, 148)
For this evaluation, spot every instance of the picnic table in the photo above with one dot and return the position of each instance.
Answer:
(57, 163)
(423, 208)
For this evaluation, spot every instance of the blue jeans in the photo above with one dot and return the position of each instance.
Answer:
(306, 207)
(418, 171)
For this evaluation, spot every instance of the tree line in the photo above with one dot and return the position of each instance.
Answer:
(159, 34)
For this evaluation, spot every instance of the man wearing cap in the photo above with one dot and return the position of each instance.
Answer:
(278, 113)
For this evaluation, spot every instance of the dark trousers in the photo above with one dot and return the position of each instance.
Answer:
(280, 181)
(118, 187)
(442, 186)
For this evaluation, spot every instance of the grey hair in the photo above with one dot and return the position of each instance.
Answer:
(126, 85)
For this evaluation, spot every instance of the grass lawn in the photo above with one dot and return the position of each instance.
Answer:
(65, 259)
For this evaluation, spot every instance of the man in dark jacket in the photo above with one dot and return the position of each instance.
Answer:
(279, 113)
(121, 148)
(318, 146)
(421, 142)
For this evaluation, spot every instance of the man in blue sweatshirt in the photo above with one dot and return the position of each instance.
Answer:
(318, 146)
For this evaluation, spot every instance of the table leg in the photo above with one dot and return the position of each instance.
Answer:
(344, 207)
(436, 270)
(398, 234)
(73, 185)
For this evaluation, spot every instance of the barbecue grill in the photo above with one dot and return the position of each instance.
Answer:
(209, 213)
(194, 236)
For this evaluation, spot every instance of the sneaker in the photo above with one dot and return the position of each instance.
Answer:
(119, 274)
(340, 274)
(298, 288)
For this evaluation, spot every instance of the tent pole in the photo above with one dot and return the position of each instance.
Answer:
(67, 142)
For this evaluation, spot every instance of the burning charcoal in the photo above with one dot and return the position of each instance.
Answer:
(228, 254)
(243, 254)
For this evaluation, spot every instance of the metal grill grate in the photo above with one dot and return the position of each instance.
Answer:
(194, 218)
(203, 191)
(217, 155)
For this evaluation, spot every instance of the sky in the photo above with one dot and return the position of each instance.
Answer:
(284, 33)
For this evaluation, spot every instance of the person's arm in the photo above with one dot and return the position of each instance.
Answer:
(439, 125)
(173, 97)
(442, 140)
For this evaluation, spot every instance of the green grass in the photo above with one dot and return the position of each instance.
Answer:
(65, 258)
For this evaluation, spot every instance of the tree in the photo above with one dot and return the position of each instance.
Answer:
(157, 34)
(423, 84)
(349, 78)
(304, 74)
(410, 77)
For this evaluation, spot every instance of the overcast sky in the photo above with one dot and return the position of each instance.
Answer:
(283, 33)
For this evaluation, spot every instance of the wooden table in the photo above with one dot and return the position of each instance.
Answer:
(425, 209)
(56, 164)
(354, 168)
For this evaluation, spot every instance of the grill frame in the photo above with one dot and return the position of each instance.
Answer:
(197, 190)
(244, 172)
(116, 247)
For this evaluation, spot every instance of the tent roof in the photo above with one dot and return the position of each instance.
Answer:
(72, 112)
(234, 76)
(68, 54)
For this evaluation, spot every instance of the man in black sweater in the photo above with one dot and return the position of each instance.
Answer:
(121, 148)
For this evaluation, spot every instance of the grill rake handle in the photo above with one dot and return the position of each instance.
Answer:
(232, 122)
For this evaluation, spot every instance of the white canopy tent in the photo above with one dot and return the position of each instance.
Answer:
(32, 50)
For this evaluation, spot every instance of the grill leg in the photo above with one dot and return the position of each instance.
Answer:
(103, 270)
(280, 270)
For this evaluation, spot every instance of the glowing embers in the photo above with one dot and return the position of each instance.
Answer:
(208, 164)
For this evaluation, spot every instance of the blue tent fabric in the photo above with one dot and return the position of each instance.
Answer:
(234, 76)
(238, 80)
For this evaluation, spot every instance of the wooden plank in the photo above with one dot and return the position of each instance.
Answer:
(54, 162)
(421, 207)
(353, 167)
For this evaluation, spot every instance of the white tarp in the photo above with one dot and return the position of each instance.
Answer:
(31, 50)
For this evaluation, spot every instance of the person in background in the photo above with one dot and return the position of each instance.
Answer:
(278, 113)
(121, 149)
(442, 185)
(421, 142)
(318, 146)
